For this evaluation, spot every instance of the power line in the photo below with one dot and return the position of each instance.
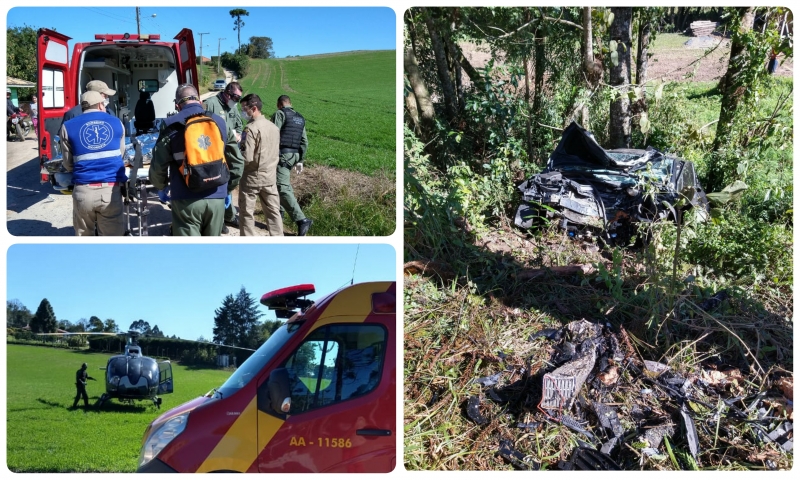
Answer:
(352, 279)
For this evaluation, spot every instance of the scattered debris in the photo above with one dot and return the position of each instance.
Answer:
(580, 389)
(714, 301)
(488, 381)
(474, 412)
(588, 459)
(519, 460)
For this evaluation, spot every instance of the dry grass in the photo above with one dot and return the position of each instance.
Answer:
(477, 325)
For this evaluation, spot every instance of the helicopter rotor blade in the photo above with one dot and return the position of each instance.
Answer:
(67, 334)
(222, 345)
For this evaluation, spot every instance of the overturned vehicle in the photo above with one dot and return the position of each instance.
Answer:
(595, 192)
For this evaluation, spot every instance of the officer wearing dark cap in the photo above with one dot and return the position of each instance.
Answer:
(80, 383)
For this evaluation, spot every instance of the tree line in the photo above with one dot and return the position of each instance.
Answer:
(237, 323)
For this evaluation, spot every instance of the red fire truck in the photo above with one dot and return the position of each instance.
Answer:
(127, 63)
(317, 396)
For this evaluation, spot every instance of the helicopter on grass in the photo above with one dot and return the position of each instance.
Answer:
(132, 376)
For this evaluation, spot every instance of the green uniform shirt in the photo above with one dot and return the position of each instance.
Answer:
(232, 120)
(278, 118)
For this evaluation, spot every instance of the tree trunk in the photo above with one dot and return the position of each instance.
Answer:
(619, 128)
(590, 72)
(441, 68)
(733, 90)
(643, 44)
(423, 106)
(538, 73)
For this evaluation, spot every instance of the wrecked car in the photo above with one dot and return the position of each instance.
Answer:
(591, 191)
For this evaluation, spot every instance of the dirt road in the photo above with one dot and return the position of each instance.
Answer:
(34, 209)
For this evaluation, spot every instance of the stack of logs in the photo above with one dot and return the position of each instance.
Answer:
(702, 28)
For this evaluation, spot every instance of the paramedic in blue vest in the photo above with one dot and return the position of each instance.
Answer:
(96, 86)
(193, 213)
(92, 146)
(294, 144)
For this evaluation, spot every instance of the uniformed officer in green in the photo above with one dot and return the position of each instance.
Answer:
(193, 213)
(294, 145)
(224, 105)
(260, 149)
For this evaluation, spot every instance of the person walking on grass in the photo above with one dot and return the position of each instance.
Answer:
(294, 145)
(80, 384)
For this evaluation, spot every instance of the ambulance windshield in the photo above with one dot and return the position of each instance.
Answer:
(253, 365)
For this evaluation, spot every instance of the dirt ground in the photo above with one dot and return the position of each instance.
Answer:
(669, 64)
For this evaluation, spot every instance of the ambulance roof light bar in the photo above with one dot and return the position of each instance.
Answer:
(126, 37)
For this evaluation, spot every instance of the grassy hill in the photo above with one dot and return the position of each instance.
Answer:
(348, 101)
(45, 435)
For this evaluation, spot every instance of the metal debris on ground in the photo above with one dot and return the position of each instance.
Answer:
(516, 458)
(624, 407)
(588, 459)
(474, 412)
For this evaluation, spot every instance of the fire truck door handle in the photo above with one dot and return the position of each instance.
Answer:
(373, 432)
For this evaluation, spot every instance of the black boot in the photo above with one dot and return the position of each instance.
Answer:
(303, 226)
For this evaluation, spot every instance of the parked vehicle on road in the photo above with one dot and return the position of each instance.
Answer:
(19, 124)
(219, 84)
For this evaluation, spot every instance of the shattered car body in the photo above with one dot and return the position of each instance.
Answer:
(591, 190)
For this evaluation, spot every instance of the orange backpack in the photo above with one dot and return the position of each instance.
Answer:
(204, 166)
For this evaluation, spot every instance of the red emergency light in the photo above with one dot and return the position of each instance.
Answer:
(115, 37)
(283, 297)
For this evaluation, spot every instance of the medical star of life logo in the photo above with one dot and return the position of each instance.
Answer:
(96, 134)
(204, 142)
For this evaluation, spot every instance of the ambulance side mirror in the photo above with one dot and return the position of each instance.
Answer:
(280, 394)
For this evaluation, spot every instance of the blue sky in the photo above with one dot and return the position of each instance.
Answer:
(178, 287)
(294, 30)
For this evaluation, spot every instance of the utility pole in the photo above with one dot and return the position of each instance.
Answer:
(219, 42)
(201, 46)
(138, 27)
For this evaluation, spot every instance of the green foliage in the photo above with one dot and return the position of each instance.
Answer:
(738, 246)
(239, 63)
(236, 321)
(21, 53)
(44, 321)
(259, 47)
(17, 314)
(44, 435)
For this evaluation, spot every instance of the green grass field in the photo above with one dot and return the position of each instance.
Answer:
(45, 435)
(348, 101)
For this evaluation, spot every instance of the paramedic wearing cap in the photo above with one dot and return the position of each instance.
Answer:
(93, 86)
(224, 105)
(92, 146)
(193, 213)
(261, 151)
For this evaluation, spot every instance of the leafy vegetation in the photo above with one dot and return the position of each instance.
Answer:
(707, 289)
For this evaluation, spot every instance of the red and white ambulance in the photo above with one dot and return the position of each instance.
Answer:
(127, 63)
(317, 396)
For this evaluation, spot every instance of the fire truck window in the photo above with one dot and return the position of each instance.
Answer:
(52, 88)
(335, 364)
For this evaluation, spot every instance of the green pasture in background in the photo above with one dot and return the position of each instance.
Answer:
(45, 435)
